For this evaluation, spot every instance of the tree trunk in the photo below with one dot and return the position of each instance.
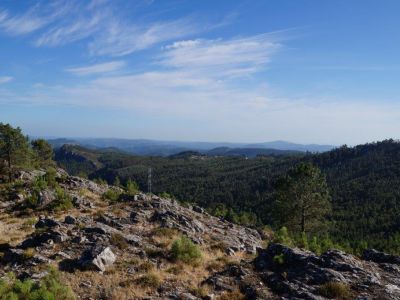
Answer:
(303, 219)
(9, 166)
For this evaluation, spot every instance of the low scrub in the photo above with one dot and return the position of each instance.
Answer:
(235, 295)
(118, 241)
(185, 250)
(111, 195)
(62, 202)
(150, 280)
(49, 288)
(335, 290)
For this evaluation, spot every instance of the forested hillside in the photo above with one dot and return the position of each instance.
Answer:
(363, 182)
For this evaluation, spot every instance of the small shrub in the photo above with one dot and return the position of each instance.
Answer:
(28, 253)
(32, 201)
(49, 288)
(215, 266)
(39, 183)
(62, 202)
(185, 250)
(118, 241)
(145, 267)
(99, 181)
(30, 221)
(165, 195)
(176, 269)
(131, 187)
(154, 252)
(18, 185)
(279, 259)
(335, 290)
(51, 177)
(200, 292)
(83, 175)
(150, 280)
(314, 246)
(235, 295)
(282, 237)
(164, 232)
(111, 195)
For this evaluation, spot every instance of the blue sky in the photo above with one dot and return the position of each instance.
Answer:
(244, 71)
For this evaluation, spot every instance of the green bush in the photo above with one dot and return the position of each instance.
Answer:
(279, 259)
(99, 181)
(111, 195)
(32, 200)
(282, 237)
(49, 288)
(51, 177)
(62, 202)
(335, 290)
(185, 250)
(39, 183)
(131, 188)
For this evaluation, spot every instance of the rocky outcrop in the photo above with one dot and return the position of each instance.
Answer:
(96, 237)
(296, 273)
(98, 258)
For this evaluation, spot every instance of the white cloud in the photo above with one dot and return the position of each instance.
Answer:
(21, 24)
(98, 68)
(119, 39)
(233, 58)
(5, 79)
(70, 32)
(107, 30)
(35, 18)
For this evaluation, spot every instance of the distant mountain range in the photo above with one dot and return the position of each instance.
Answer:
(167, 148)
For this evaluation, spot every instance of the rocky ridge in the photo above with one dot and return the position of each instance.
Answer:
(107, 250)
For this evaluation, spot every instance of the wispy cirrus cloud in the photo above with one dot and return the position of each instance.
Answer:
(36, 17)
(70, 32)
(97, 68)
(5, 79)
(119, 39)
(235, 57)
(108, 31)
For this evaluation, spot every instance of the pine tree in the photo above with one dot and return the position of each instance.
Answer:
(302, 201)
(14, 149)
(43, 153)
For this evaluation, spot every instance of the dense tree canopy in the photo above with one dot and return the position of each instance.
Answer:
(363, 183)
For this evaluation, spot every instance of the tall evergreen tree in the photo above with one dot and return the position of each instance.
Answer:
(302, 201)
(43, 152)
(14, 149)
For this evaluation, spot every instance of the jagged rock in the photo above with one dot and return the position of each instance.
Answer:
(98, 258)
(13, 255)
(80, 202)
(188, 296)
(47, 223)
(74, 182)
(380, 257)
(52, 236)
(198, 209)
(305, 272)
(92, 240)
(110, 221)
(69, 220)
(46, 197)
(29, 175)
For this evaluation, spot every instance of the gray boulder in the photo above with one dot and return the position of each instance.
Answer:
(98, 258)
